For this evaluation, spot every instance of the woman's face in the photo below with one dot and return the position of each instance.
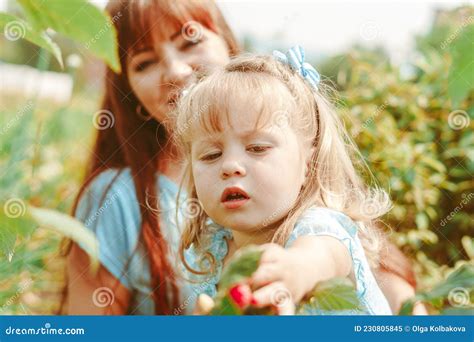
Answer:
(158, 74)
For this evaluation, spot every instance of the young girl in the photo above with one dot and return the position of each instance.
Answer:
(268, 159)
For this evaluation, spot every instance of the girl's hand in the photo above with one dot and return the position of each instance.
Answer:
(204, 305)
(285, 276)
(282, 279)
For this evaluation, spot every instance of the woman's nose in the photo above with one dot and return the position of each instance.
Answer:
(231, 168)
(177, 71)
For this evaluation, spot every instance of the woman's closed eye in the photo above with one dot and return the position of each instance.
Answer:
(188, 44)
(143, 65)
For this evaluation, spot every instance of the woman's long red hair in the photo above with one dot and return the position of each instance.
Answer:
(136, 144)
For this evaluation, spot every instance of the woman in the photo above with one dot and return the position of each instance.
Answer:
(159, 55)
(131, 183)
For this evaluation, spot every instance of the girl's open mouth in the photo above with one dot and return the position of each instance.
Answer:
(234, 197)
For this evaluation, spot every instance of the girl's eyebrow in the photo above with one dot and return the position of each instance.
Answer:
(245, 135)
(208, 140)
(256, 132)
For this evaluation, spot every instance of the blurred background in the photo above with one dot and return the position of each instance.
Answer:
(404, 72)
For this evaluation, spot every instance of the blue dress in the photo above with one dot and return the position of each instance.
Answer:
(115, 220)
(316, 221)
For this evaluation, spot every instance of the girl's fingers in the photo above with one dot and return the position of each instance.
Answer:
(277, 295)
(272, 252)
(287, 308)
(204, 305)
(265, 274)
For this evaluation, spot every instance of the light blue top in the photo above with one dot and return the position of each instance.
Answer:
(316, 221)
(116, 221)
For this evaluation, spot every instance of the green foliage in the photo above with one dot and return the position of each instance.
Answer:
(39, 38)
(97, 33)
(416, 135)
(461, 73)
(335, 294)
(453, 296)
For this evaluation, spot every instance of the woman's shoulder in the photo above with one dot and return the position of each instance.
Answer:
(111, 182)
(109, 202)
(118, 184)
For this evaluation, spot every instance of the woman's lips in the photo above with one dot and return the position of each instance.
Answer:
(234, 197)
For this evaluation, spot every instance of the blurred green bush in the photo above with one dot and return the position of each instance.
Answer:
(413, 124)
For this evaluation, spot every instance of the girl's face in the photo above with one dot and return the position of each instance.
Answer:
(157, 75)
(246, 178)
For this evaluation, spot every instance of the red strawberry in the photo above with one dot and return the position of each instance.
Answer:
(241, 294)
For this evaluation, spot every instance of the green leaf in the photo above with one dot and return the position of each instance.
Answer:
(18, 28)
(70, 227)
(461, 73)
(457, 312)
(461, 279)
(15, 224)
(241, 266)
(422, 220)
(7, 241)
(334, 294)
(407, 308)
(225, 307)
(468, 245)
(79, 20)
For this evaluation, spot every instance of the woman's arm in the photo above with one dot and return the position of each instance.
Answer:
(397, 290)
(83, 288)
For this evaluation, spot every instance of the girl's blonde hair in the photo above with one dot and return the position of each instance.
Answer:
(331, 179)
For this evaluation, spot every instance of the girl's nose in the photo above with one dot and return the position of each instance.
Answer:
(232, 168)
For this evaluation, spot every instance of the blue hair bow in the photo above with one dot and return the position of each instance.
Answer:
(295, 59)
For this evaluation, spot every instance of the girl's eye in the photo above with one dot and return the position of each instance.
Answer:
(142, 66)
(211, 156)
(258, 148)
